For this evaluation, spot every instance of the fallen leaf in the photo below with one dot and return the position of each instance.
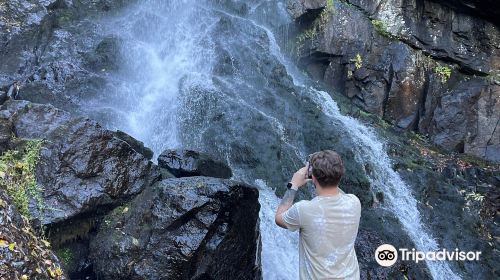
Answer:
(58, 271)
(46, 243)
(12, 246)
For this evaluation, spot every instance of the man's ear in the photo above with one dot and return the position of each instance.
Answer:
(314, 180)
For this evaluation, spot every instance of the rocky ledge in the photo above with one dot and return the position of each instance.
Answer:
(106, 210)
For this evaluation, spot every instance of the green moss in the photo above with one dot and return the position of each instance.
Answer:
(17, 176)
(476, 161)
(381, 28)
(365, 114)
(444, 72)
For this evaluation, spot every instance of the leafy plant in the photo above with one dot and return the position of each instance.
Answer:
(358, 61)
(444, 72)
(17, 176)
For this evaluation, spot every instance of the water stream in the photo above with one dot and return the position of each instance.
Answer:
(210, 75)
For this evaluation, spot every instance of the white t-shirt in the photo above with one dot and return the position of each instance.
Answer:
(328, 228)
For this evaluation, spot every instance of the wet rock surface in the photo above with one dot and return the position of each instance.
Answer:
(70, 62)
(185, 228)
(97, 189)
(185, 163)
(409, 64)
(83, 168)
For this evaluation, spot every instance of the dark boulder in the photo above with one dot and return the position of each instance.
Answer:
(182, 228)
(184, 163)
(137, 145)
(22, 252)
(83, 168)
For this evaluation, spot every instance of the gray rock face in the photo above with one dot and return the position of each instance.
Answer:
(83, 168)
(184, 163)
(301, 7)
(466, 120)
(52, 53)
(387, 60)
(182, 228)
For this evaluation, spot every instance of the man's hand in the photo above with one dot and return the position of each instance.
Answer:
(299, 179)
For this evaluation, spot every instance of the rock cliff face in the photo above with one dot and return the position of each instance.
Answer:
(422, 65)
(83, 168)
(102, 197)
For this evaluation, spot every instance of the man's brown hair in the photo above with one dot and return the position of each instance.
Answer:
(327, 167)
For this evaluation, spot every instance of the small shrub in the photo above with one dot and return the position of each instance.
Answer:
(358, 61)
(444, 72)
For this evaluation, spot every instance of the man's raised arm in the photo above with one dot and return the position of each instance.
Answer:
(298, 180)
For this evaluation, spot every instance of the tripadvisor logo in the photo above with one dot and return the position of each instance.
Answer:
(387, 255)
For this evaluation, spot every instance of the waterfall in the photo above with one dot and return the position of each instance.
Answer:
(370, 151)
(167, 89)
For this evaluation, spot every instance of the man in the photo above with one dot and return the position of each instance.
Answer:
(328, 223)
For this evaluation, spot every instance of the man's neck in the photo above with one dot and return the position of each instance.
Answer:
(328, 191)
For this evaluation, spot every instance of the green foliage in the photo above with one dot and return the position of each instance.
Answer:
(17, 176)
(358, 61)
(444, 72)
(66, 256)
(381, 28)
(330, 8)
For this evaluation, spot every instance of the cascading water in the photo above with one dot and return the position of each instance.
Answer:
(209, 75)
(158, 52)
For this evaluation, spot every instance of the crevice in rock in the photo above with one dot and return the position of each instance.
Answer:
(387, 91)
(491, 137)
(308, 17)
(421, 105)
(186, 217)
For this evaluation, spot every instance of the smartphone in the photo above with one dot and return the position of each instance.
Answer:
(309, 167)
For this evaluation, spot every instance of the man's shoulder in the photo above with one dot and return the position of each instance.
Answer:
(353, 197)
(353, 201)
(303, 204)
